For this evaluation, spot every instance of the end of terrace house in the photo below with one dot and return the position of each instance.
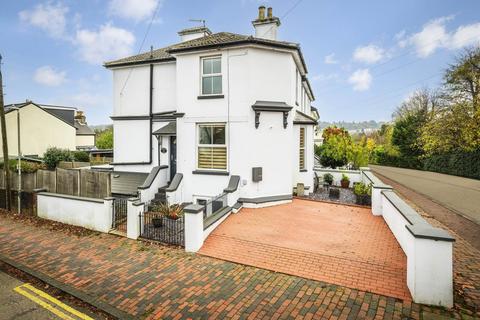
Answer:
(216, 108)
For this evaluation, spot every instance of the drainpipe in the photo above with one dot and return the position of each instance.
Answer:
(19, 164)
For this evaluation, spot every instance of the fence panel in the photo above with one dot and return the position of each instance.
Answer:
(46, 179)
(27, 200)
(68, 181)
(94, 184)
(154, 226)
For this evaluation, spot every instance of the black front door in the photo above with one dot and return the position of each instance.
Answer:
(173, 156)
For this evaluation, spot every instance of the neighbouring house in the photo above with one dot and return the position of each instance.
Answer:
(217, 105)
(85, 136)
(43, 126)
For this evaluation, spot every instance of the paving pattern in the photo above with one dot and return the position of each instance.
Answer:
(158, 282)
(339, 244)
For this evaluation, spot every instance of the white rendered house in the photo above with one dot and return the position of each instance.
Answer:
(216, 106)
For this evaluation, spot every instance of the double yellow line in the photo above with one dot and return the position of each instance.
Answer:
(48, 302)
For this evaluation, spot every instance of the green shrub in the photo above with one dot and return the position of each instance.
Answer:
(345, 177)
(361, 189)
(460, 163)
(81, 156)
(54, 155)
(26, 166)
(328, 178)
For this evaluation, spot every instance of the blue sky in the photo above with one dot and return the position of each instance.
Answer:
(364, 57)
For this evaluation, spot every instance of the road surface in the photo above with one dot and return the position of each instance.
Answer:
(19, 300)
(461, 195)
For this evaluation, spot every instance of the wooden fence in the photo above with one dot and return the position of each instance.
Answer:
(75, 182)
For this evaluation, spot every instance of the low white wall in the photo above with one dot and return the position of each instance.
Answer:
(429, 250)
(353, 175)
(94, 214)
(135, 209)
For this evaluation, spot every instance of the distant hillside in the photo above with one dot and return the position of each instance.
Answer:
(101, 127)
(352, 126)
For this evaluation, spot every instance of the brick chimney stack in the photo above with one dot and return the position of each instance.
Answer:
(266, 27)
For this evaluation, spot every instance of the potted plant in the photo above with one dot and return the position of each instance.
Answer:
(157, 220)
(345, 182)
(173, 212)
(328, 179)
(363, 194)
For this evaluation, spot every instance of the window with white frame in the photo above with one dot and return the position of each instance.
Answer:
(302, 149)
(212, 147)
(211, 81)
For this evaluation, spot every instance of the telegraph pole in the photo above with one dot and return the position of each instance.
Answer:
(6, 167)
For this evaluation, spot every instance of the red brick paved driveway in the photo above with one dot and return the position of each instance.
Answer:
(339, 244)
(157, 282)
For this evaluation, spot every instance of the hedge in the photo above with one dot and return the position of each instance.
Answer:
(464, 164)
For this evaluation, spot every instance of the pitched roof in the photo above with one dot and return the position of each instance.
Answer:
(209, 41)
(168, 130)
(302, 118)
(10, 107)
(83, 129)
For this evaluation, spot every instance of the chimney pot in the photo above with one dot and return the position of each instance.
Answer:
(269, 13)
(261, 13)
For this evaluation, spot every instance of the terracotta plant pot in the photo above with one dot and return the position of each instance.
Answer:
(344, 183)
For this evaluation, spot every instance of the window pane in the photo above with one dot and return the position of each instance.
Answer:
(207, 85)
(205, 135)
(207, 66)
(218, 135)
(217, 84)
(212, 158)
(216, 65)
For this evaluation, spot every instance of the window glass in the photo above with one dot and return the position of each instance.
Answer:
(218, 135)
(216, 84)
(207, 85)
(205, 135)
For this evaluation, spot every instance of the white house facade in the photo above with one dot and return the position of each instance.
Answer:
(215, 106)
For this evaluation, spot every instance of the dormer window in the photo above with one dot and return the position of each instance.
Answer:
(211, 76)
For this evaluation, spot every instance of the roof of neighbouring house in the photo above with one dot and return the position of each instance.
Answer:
(83, 129)
(195, 30)
(168, 130)
(210, 41)
(65, 114)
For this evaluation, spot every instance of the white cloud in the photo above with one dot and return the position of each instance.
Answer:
(465, 36)
(434, 35)
(48, 17)
(136, 10)
(360, 79)
(368, 54)
(330, 59)
(48, 76)
(107, 43)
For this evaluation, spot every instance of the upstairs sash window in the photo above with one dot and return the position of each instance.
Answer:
(211, 76)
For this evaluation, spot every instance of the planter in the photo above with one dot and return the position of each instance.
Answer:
(364, 200)
(345, 183)
(334, 193)
(157, 222)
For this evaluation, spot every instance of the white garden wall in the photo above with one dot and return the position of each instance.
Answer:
(94, 214)
(353, 175)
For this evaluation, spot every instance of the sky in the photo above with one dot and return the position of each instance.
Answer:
(363, 57)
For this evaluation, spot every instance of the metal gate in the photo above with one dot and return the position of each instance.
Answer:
(119, 219)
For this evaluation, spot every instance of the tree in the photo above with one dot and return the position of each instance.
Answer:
(4, 142)
(105, 139)
(462, 79)
(334, 150)
(53, 156)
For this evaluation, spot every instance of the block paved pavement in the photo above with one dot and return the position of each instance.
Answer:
(154, 281)
(339, 244)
